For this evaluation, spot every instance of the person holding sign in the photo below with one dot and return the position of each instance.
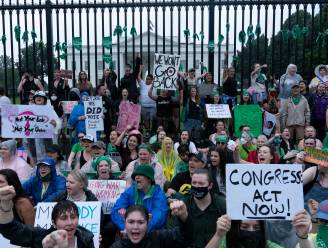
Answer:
(65, 217)
(251, 233)
(145, 193)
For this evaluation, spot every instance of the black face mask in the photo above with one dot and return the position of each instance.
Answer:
(199, 192)
(250, 239)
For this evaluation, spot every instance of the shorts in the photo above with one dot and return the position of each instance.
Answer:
(148, 113)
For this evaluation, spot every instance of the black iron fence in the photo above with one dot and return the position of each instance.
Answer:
(209, 35)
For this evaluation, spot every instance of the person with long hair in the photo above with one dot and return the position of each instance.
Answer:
(185, 140)
(258, 82)
(229, 88)
(193, 111)
(23, 207)
(27, 84)
(167, 157)
(83, 83)
(109, 79)
(82, 157)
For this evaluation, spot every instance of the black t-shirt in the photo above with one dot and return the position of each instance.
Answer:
(164, 108)
(230, 87)
(194, 111)
(27, 87)
(181, 179)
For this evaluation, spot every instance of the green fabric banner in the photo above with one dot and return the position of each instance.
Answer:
(250, 115)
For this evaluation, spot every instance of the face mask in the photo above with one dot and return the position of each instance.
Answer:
(250, 239)
(322, 236)
(199, 192)
(46, 178)
(53, 98)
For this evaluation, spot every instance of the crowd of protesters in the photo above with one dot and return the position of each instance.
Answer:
(173, 164)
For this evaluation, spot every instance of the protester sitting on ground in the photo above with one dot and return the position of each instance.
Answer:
(251, 233)
(245, 98)
(203, 208)
(246, 145)
(112, 149)
(185, 139)
(182, 165)
(181, 183)
(145, 156)
(54, 152)
(146, 193)
(76, 188)
(220, 130)
(46, 185)
(260, 141)
(217, 167)
(321, 76)
(23, 207)
(157, 145)
(167, 157)
(154, 138)
(103, 168)
(77, 147)
(310, 132)
(9, 160)
(85, 155)
(137, 226)
(64, 216)
(286, 144)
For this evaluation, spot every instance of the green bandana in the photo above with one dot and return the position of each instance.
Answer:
(296, 99)
(138, 200)
(46, 178)
(322, 236)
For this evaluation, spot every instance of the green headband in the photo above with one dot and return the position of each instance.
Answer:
(98, 160)
(245, 92)
(145, 146)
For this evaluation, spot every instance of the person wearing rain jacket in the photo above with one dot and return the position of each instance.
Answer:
(321, 77)
(46, 185)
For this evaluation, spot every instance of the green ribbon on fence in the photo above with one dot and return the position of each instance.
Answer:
(133, 31)
(211, 46)
(77, 43)
(57, 46)
(201, 34)
(25, 36)
(186, 33)
(125, 29)
(250, 33)
(195, 36)
(305, 31)
(242, 36)
(63, 56)
(220, 39)
(41, 44)
(118, 30)
(296, 32)
(3, 39)
(235, 59)
(322, 36)
(285, 34)
(228, 27)
(107, 58)
(180, 67)
(258, 30)
(34, 36)
(107, 42)
(17, 31)
(64, 47)
(204, 69)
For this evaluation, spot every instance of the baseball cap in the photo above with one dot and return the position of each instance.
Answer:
(199, 156)
(88, 137)
(40, 93)
(323, 210)
(46, 161)
(295, 85)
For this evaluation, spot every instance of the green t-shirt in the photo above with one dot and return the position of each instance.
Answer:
(77, 148)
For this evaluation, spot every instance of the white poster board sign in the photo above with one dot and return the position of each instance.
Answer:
(93, 110)
(27, 121)
(107, 191)
(264, 191)
(166, 68)
(218, 111)
(269, 122)
(68, 106)
(89, 216)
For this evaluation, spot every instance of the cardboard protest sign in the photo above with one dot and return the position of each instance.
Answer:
(89, 216)
(166, 68)
(27, 121)
(269, 122)
(206, 89)
(250, 115)
(316, 156)
(93, 109)
(107, 191)
(68, 106)
(263, 192)
(218, 111)
(129, 114)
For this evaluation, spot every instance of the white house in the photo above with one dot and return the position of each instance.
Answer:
(121, 55)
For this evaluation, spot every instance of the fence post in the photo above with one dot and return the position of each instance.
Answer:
(211, 19)
(49, 45)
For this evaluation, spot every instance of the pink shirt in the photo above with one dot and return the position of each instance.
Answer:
(19, 165)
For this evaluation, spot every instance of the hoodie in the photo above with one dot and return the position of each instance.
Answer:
(318, 79)
(33, 186)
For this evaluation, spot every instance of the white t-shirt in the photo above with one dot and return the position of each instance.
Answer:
(144, 99)
(192, 147)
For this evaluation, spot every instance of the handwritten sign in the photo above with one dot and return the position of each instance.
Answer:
(107, 191)
(166, 68)
(250, 115)
(316, 156)
(27, 121)
(68, 106)
(264, 191)
(218, 111)
(93, 110)
(89, 216)
(269, 123)
(129, 114)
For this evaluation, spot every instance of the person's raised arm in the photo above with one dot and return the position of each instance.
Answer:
(302, 225)
(150, 93)
(38, 83)
(257, 69)
(7, 194)
(223, 225)
(139, 78)
(21, 83)
(121, 137)
(309, 174)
